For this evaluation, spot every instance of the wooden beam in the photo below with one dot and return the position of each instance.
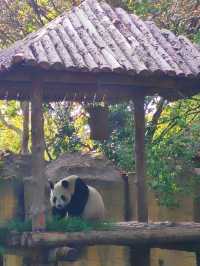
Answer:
(138, 235)
(59, 85)
(139, 118)
(37, 132)
(152, 81)
(140, 257)
(170, 87)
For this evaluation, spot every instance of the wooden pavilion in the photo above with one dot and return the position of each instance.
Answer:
(97, 53)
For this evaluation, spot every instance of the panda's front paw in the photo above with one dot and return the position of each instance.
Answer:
(58, 213)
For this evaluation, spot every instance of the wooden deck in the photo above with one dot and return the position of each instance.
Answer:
(167, 235)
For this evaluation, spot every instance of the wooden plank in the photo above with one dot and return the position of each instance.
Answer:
(139, 118)
(153, 81)
(138, 235)
(56, 91)
(17, 85)
(37, 132)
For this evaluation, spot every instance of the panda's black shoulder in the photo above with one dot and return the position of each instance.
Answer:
(79, 198)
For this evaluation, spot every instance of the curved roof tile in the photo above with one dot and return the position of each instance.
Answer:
(95, 37)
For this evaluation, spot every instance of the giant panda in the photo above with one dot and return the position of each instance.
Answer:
(72, 197)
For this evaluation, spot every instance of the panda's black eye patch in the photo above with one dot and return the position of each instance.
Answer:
(54, 199)
(63, 197)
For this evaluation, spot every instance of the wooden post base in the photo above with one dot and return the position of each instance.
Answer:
(197, 258)
(139, 257)
(41, 256)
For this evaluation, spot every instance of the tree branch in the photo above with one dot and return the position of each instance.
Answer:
(154, 122)
(10, 126)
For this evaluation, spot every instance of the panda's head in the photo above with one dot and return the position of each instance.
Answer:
(69, 193)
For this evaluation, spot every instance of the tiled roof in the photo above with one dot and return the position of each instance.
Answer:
(95, 37)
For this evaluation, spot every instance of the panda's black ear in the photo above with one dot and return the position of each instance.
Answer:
(65, 183)
(51, 184)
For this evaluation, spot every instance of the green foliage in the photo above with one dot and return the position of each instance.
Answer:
(10, 126)
(1, 165)
(76, 225)
(18, 18)
(71, 224)
(68, 129)
(53, 225)
(171, 154)
(196, 37)
(2, 250)
(170, 166)
(119, 146)
(12, 226)
(19, 226)
(66, 140)
(145, 7)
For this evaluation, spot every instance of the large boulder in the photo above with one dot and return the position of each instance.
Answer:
(90, 166)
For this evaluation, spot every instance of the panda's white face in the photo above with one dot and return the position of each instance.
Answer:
(60, 195)
(61, 192)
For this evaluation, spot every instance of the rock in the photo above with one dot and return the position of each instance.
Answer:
(90, 166)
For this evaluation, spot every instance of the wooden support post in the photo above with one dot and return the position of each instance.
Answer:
(139, 116)
(197, 258)
(39, 258)
(196, 212)
(127, 205)
(140, 257)
(196, 216)
(196, 204)
(37, 132)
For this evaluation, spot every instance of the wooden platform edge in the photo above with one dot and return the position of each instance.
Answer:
(167, 235)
